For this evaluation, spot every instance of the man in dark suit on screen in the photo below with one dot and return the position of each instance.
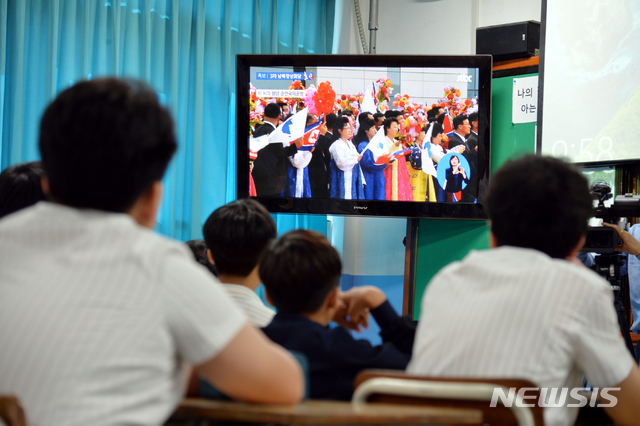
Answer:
(270, 168)
(461, 129)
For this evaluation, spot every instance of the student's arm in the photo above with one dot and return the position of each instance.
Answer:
(211, 333)
(254, 369)
(359, 301)
(627, 409)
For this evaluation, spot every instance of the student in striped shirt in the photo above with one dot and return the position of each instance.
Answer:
(103, 329)
(527, 308)
(236, 234)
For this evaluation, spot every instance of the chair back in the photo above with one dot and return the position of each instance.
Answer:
(11, 411)
(396, 387)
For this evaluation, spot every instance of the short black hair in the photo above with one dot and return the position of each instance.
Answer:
(199, 250)
(20, 187)
(104, 142)
(387, 123)
(237, 234)
(299, 270)
(272, 110)
(377, 116)
(458, 120)
(541, 203)
(330, 119)
(473, 117)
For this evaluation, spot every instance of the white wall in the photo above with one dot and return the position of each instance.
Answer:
(412, 27)
(429, 27)
(497, 12)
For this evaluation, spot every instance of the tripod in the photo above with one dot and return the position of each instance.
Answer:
(608, 267)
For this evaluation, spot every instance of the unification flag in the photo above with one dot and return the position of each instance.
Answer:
(376, 146)
(427, 157)
(291, 129)
(368, 103)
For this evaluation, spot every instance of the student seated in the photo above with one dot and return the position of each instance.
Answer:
(102, 328)
(20, 187)
(525, 307)
(199, 250)
(236, 234)
(301, 273)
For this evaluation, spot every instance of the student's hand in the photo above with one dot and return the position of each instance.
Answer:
(341, 317)
(298, 142)
(359, 301)
(323, 129)
(629, 243)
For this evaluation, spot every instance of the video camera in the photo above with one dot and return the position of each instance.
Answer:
(604, 241)
(601, 239)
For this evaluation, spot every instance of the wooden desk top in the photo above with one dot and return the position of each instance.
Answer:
(316, 412)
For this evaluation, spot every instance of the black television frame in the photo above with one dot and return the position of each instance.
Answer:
(409, 209)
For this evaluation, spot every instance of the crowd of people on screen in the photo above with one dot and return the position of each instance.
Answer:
(359, 152)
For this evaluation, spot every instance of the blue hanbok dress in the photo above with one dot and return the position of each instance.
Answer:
(346, 177)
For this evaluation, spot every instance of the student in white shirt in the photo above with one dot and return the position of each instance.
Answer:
(101, 330)
(526, 308)
(236, 234)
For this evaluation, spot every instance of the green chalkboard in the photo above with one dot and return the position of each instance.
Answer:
(442, 241)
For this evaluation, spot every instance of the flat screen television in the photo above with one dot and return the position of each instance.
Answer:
(589, 80)
(414, 178)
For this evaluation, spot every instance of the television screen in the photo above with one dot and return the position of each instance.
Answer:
(364, 134)
(589, 81)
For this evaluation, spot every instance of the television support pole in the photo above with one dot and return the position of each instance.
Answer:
(373, 25)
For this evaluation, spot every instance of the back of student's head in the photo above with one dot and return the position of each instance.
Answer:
(299, 270)
(237, 234)
(541, 203)
(20, 187)
(104, 142)
(199, 250)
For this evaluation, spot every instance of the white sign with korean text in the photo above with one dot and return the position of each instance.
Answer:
(525, 100)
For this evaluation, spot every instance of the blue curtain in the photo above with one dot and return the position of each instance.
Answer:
(184, 48)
